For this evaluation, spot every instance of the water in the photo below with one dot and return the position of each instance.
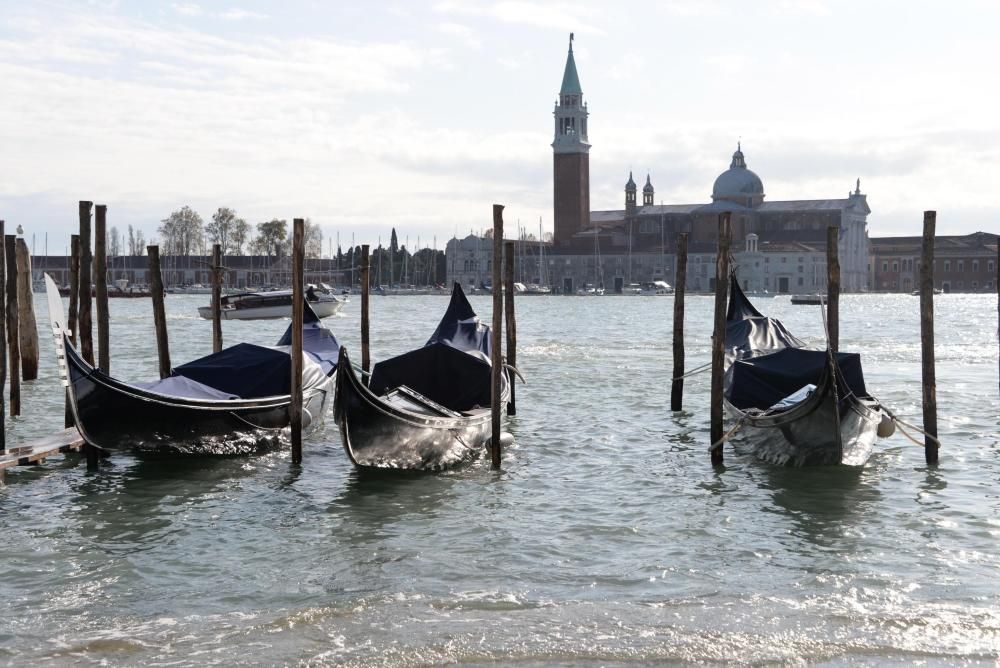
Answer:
(606, 539)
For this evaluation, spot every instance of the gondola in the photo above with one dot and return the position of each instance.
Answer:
(428, 409)
(790, 405)
(235, 401)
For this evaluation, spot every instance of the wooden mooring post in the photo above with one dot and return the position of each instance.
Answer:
(928, 380)
(27, 332)
(833, 287)
(217, 298)
(85, 323)
(680, 286)
(13, 343)
(3, 349)
(508, 301)
(159, 312)
(101, 288)
(495, 354)
(298, 297)
(719, 336)
(365, 289)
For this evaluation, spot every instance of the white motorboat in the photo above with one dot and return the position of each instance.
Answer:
(273, 304)
(655, 288)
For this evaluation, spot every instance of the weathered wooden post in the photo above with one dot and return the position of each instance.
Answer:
(27, 329)
(927, 339)
(101, 287)
(495, 354)
(719, 336)
(680, 286)
(217, 298)
(159, 312)
(833, 287)
(510, 320)
(365, 287)
(996, 282)
(74, 287)
(3, 349)
(85, 323)
(13, 343)
(298, 296)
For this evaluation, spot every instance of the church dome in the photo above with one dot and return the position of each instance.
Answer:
(648, 188)
(738, 182)
(630, 184)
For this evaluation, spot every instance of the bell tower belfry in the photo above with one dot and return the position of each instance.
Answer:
(571, 157)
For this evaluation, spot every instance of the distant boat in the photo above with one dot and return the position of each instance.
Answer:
(809, 300)
(937, 291)
(656, 288)
(269, 305)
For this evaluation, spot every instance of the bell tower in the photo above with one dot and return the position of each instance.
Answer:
(571, 157)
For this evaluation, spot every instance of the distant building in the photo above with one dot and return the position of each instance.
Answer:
(961, 263)
(637, 243)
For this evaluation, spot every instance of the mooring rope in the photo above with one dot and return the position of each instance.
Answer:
(900, 421)
(729, 434)
(699, 369)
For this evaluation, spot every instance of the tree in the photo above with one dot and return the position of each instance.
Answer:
(313, 238)
(136, 242)
(271, 237)
(112, 243)
(222, 228)
(241, 230)
(182, 232)
(393, 252)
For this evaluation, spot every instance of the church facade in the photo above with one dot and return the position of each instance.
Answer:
(779, 246)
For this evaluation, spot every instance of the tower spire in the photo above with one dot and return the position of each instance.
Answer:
(571, 80)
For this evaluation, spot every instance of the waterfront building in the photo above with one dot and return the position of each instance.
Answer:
(965, 263)
(637, 243)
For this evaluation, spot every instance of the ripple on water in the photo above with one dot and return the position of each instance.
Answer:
(606, 538)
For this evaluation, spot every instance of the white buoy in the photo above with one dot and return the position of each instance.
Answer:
(886, 427)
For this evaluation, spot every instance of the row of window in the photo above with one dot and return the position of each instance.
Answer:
(907, 265)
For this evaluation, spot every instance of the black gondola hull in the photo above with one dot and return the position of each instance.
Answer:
(816, 431)
(379, 435)
(115, 416)
(835, 424)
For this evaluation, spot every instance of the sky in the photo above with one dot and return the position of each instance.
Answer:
(420, 116)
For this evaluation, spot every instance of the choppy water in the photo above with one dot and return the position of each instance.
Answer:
(606, 539)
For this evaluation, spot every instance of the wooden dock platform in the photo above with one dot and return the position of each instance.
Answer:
(36, 452)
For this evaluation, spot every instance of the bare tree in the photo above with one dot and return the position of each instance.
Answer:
(183, 232)
(313, 237)
(271, 237)
(223, 227)
(240, 236)
(113, 242)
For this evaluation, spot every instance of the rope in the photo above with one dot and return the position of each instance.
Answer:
(907, 435)
(699, 369)
(900, 421)
(725, 437)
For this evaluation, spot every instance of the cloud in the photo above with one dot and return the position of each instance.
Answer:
(566, 16)
(187, 9)
(464, 33)
(236, 14)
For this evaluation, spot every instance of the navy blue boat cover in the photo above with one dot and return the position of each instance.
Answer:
(453, 378)
(749, 332)
(452, 368)
(244, 370)
(761, 382)
(460, 328)
(317, 341)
